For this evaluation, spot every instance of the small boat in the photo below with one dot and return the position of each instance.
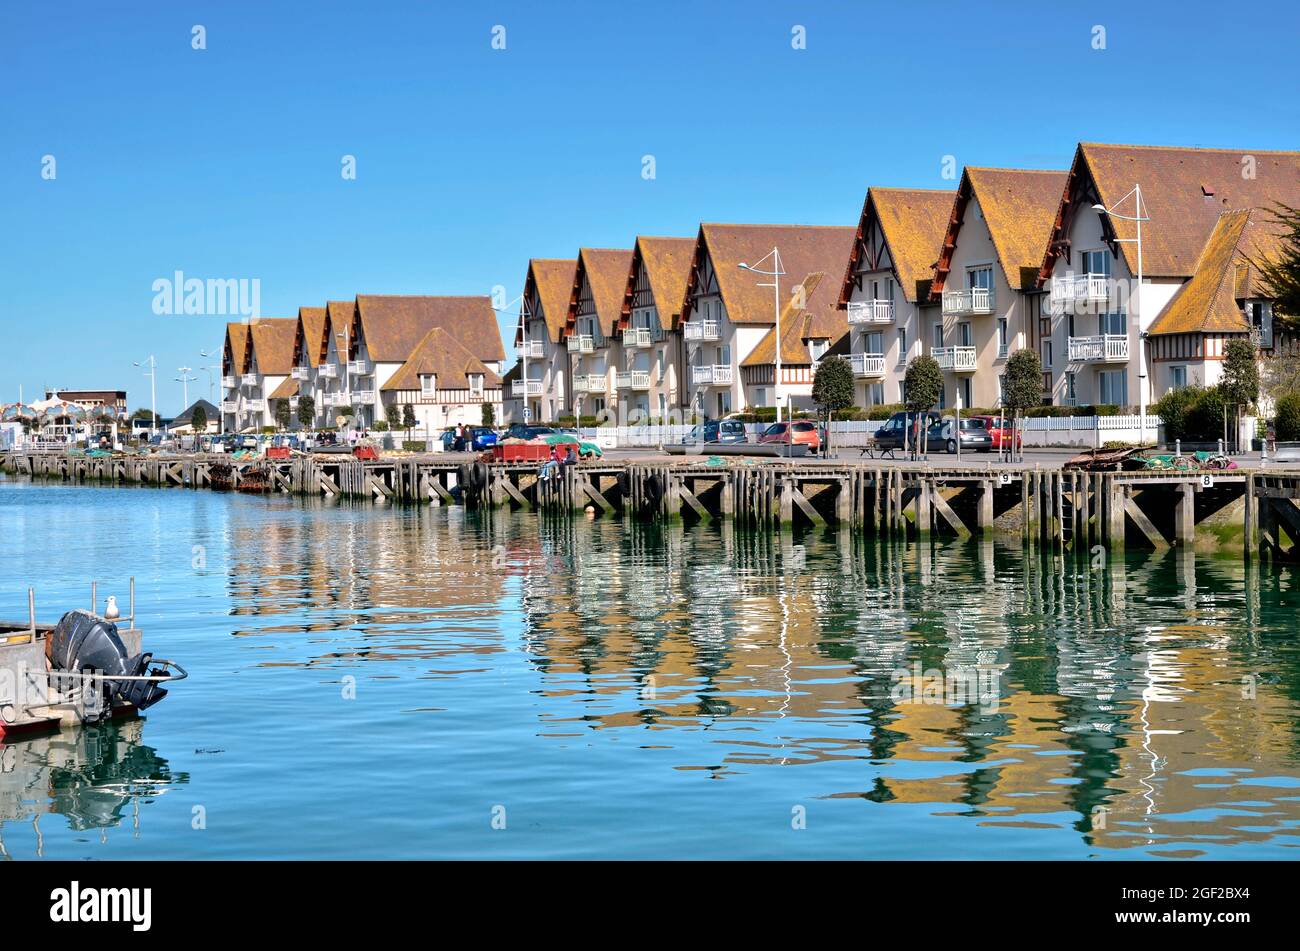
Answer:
(84, 669)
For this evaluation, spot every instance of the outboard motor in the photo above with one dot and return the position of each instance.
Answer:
(85, 643)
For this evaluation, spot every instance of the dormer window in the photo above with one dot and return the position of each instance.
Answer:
(818, 348)
(428, 384)
(476, 384)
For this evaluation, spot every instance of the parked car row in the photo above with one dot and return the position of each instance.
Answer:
(903, 431)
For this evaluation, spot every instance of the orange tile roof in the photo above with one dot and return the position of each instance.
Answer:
(606, 272)
(441, 354)
(311, 326)
(236, 342)
(552, 280)
(797, 328)
(288, 387)
(1184, 191)
(805, 250)
(270, 343)
(1208, 303)
(913, 221)
(667, 264)
(339, 316)
(393, 325)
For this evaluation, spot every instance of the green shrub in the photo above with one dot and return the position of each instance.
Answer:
(1286, 422)
(414, 445)
(883, 411)
(380, 426)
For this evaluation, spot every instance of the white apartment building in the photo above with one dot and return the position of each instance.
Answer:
(543, 367)
(267, 360)
(649, 382)
(591, 331)
(232, 369)
(886, 290)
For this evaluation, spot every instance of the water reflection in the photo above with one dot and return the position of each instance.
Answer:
(98, 777)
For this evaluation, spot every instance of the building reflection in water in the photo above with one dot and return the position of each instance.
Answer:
(1147, 701)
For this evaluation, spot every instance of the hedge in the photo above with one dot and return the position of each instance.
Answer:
(1286, 422)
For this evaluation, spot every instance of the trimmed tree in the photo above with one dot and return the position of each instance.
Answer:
(833, 389)
(489, 415)
(306, 412)
(1286, 420)
(1281, 273)
(282, 414)
(408, 419)
(393, 413)
(923, 385)
(1240, 382)
(1022, 387)
(199, 421)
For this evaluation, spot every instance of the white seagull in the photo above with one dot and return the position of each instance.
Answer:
(111, 613)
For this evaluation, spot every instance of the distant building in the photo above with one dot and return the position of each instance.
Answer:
(182, 423)
(91, 399)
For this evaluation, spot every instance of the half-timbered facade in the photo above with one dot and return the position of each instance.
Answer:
(649, 382)
(591, 332)
(728, 311)
(444, 384)
(985, 280)
(886, 287)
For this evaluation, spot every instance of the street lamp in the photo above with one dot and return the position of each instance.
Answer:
(524, 317)
(185, 380)
(1139, 217)
(153, 390)
(221, 416)
(775, 274)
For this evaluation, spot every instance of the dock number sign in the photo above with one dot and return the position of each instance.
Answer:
(1004, 478)
(1207, 481)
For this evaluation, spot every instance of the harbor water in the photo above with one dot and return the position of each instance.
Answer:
(371, 681)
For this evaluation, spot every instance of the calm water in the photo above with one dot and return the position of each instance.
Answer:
(395, 682)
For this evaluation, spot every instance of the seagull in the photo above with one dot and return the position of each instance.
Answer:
(111, 613)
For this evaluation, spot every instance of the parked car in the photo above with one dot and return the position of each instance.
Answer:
(900, 429)
(974, 437)
(799, 432)
(524, 431)
(716, 431)
(482, 437)
(999, 428)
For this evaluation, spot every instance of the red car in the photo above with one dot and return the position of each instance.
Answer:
(1000, 429)
(800, 433)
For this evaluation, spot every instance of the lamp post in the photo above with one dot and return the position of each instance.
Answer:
(185, 380)
(524, 317)
(221, 415)
(153, 390)
(775, 274)
(1139, 217)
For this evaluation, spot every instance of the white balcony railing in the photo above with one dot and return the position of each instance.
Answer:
(336, 399)
(957, 359)
(702, 330)
(532, 349)
(254, 406)
(1105, 348)
(871, 312)
(639, 337)
(363, 397)
(870, 365)
(581, 343)
(301, 373)
(716, 375)
(1080, 288)
(974, 300)
(534, 387)
(328, 371)
(230, 406)
(229, 382)
(634, 380)
(360, 368)
(251, 379)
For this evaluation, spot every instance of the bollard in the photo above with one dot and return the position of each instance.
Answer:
(1178, 448)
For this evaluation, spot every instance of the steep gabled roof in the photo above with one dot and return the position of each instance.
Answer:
(805, 250)
(270, 343)
(798, 326)
(339, 316)
(1019, 207)
(1208, 303)
(1184, 191)
(667, 264)
(441, 354)
(311, 325)
(236, 344)
(288, 387)
(552, 280)
(606, 272)
(394, 325)
(913, 221)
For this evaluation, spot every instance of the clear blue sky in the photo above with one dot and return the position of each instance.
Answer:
(226, 162)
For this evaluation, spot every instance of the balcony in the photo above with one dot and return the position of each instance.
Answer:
(336, 399)
(1072, 289)
(974, 300)
(363, 397)
(229, 382)
(254, 406)
(640, 336)
(251, 379)
(716, 375)
(956, 359)
(230, 406)
(360, 368)
(517, 388)
(634, 380)
(328, 371)
(696, 330)
(871, 312)
(868, 365)
(1105, 348)
(533, 349)
(581, 343)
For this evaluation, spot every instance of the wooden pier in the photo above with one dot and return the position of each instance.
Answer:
(1067, 510)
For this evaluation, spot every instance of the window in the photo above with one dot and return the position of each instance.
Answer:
(967, 338)
(979, 277)
(724, 356)
(902, 346)
(428, 384)
(724, 402)
(1114, 387)
(1178, 377)
(476, 385)
(817, 348)
(965, 396)
(1003, 340)
(1095, 262)
(875, 342)
(1116, 324)
(760, 396)
(875, 394)
(1047, 354)
(938, 336)
(1071, 392)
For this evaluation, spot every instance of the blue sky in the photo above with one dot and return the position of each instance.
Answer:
(226, 162)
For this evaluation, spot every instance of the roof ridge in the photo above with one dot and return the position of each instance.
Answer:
(1026, 171)
(1192, 148)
